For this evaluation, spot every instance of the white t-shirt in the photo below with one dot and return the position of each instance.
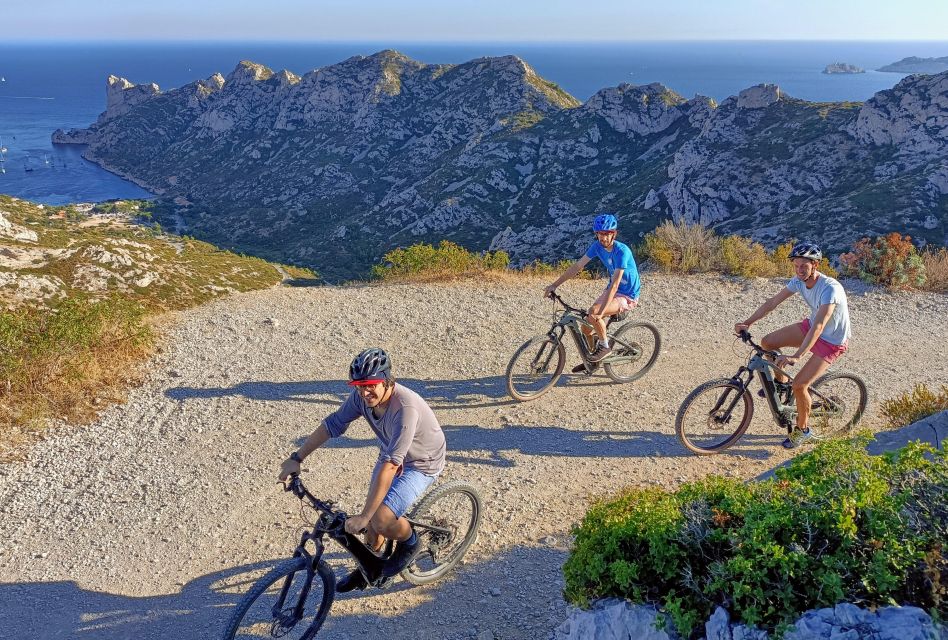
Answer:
(826, 291)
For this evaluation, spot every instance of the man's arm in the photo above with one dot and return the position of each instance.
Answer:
(772, 303)
(570, 272)
(381, 483)
(315, 440)
(610, 294)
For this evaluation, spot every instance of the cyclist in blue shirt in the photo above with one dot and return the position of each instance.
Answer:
(622, 292)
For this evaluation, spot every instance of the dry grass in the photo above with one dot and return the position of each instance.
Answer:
(66, 362)
(936, 269)
(910, 407)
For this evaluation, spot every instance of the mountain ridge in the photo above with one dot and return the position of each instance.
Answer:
(382, 151)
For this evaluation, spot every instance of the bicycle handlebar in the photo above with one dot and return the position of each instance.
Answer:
(295, 486)
(746, 337)
(568, 307)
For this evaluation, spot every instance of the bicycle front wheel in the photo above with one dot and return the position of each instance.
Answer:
(635, 348)
(535, 367)
(714, 416)
(448, 517)
(838, 402)
(287, 602)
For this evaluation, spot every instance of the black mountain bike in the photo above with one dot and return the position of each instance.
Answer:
(295, 596)
(538, 364)
(715, 415)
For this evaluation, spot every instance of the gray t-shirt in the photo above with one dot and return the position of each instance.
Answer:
(826, 291)
(409, 432)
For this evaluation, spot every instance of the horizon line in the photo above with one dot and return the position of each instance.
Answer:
(337, 41)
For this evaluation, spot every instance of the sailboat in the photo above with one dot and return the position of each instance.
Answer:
(3, 156)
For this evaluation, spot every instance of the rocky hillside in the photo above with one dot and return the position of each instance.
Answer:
(49, 253)
(335, 167)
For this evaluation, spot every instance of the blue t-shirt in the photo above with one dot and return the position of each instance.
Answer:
(619, 258)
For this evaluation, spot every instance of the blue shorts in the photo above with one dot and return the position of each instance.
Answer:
(405, 490)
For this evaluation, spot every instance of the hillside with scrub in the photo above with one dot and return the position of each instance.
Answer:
(81, 290)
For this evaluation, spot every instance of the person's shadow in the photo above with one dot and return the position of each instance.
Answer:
(64, 611)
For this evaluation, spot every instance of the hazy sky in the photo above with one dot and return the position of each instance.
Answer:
(478, 20)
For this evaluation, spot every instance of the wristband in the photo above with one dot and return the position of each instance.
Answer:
(295, 457)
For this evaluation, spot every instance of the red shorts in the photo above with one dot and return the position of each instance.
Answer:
(826, 350)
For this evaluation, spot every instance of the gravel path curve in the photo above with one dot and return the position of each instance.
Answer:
(139, 525)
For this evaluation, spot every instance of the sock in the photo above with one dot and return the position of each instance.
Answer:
(604, 343)
(412, 539)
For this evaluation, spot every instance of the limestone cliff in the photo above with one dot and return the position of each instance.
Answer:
(337, 166)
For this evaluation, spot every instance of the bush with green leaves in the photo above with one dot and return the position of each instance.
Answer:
(836, 525)
(447, 260)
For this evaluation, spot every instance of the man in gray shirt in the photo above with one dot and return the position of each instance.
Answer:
(825, 333)
(411, 456)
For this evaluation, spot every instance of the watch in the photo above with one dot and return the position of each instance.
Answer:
(295, 457)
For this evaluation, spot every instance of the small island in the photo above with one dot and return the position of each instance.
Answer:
(914, 64)
(842, 67)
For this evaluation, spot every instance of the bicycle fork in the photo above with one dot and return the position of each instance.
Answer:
(312, 559)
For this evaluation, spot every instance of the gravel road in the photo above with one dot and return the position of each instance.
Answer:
(140, 525)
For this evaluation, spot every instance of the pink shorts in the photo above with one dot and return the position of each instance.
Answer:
(826, 350)
(625, 302)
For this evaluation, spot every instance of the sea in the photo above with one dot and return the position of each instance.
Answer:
(47, 86)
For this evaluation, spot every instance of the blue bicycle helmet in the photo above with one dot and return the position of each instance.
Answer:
(605, 222)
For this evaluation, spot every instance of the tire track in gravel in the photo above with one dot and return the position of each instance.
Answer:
(149, 516)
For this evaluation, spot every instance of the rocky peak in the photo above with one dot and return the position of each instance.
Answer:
(636, 109)
(911, 114)
(758, 96)
(121, 95)
(247, 72)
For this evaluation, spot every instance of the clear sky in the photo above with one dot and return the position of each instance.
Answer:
(473, 20)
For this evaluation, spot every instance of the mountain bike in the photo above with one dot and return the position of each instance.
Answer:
(538, 364)
(715, 415)
(296, 595)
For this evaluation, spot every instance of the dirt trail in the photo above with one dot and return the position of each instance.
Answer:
(136, 526)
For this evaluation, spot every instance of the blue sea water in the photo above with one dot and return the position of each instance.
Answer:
(51, 86)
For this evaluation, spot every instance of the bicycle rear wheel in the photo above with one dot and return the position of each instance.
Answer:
(268, 609)
(714, 416)
(535, 367)
(640, 343)
(838, 402)
(455, 509)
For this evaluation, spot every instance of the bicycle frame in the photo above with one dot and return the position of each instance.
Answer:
(573, 321)
(783, 414)
(332, 523)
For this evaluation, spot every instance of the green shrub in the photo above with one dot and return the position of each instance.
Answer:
(890, 260)
(58, 361)
(447, 260)
(836, 525)
(919, 403)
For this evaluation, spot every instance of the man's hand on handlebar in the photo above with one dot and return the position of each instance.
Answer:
(740, 328)
(357, 524)
(288, 468)
(549, 291)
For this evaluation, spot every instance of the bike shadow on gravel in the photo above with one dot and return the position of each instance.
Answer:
(471, 393)
(63, 610)
(577, 443)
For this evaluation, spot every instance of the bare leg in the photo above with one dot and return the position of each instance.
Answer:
(598, 323)
(790, 336)
(387, 524)
(813, 369)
